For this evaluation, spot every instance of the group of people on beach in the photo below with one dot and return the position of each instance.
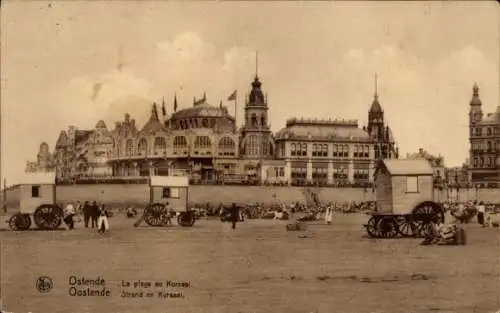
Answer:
(96, 215)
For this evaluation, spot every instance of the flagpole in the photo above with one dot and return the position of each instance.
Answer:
(236, 111)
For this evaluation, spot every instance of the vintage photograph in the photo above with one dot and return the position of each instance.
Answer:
(250, 157)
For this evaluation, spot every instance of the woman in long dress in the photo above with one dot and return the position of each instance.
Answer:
(328, 215)
(102, 221)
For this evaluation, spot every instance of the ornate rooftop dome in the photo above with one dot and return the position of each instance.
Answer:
(201, 108)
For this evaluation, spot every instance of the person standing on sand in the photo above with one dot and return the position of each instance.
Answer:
(94, 213)
(234, 215)
(328, 215)
(86, 214)
(481, 210)
(102, 222)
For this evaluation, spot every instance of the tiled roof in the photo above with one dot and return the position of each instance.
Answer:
(408, 166)
(322, 131)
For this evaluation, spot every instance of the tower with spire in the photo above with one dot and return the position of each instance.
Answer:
(256, 133)
(385, 147)
(475, 110)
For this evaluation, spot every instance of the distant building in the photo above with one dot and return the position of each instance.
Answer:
(484, 138)
(83, 153)
(436, 162)
(44, 161)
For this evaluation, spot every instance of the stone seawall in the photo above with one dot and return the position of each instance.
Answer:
(139, 194)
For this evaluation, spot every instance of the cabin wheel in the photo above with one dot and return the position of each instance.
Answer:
(388, 227)
(406, 226)
(155, 214)
(186, 219)
(372, 227)
(20, 221)
(48, 217)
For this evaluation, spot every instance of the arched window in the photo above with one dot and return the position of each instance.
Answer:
(202, 142)
(180, 142)
(252, 147)
(129, 147)
(254, 119)
(263, 120)
(205, 123)
(293, 149)
(226, 143)
(143, 146)
(160, 145)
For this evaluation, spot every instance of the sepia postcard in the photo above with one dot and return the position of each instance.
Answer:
(250, 157)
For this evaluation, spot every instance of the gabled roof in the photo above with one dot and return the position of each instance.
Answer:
(62, 141)
(406, 167)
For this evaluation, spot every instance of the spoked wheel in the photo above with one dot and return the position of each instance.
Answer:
(406, 226)
(372, 227)
(20, 221)
(424, 215)
(388, 227)
(186, 219)
(48, 217)
(155, 215)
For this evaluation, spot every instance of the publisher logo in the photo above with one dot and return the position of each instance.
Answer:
(44, 284)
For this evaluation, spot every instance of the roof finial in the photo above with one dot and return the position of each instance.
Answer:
(376, 87)
(475, 89)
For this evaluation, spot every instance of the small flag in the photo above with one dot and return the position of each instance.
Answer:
(220, 104)
(232, 97)
(163, 110)
(175, 103)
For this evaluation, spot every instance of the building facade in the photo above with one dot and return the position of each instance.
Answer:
(204, 142)
(484, 139)
(83, 153)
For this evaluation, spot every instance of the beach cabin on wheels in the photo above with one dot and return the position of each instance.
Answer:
(175, 191)
(405, 199)
(38, 199)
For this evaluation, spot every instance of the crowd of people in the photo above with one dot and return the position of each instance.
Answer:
(96, 215)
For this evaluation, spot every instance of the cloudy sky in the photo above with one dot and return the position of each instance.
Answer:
(77, 62)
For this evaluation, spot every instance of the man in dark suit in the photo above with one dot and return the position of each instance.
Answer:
(86, 214)
(94, 214)
(235, 214)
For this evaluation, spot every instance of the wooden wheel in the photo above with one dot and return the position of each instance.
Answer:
(186, 219)
(424, 215)
(406, 226)
(48, 216)
(388, 227)
(372, 227)
(20, 221)
(155, 215)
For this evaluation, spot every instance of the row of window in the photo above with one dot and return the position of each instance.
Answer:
(321, 150)
(179, 142)
(486, 162)
(484, 131)
(485, 145)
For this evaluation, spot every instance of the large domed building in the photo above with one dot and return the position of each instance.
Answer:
(200, 141)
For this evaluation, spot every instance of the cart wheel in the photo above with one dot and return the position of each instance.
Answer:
(155, 215)
(48, 216)
(406, 226)
(424, 215)
(372, 227)
(186, 219)
(388, 227)
(20, 221)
